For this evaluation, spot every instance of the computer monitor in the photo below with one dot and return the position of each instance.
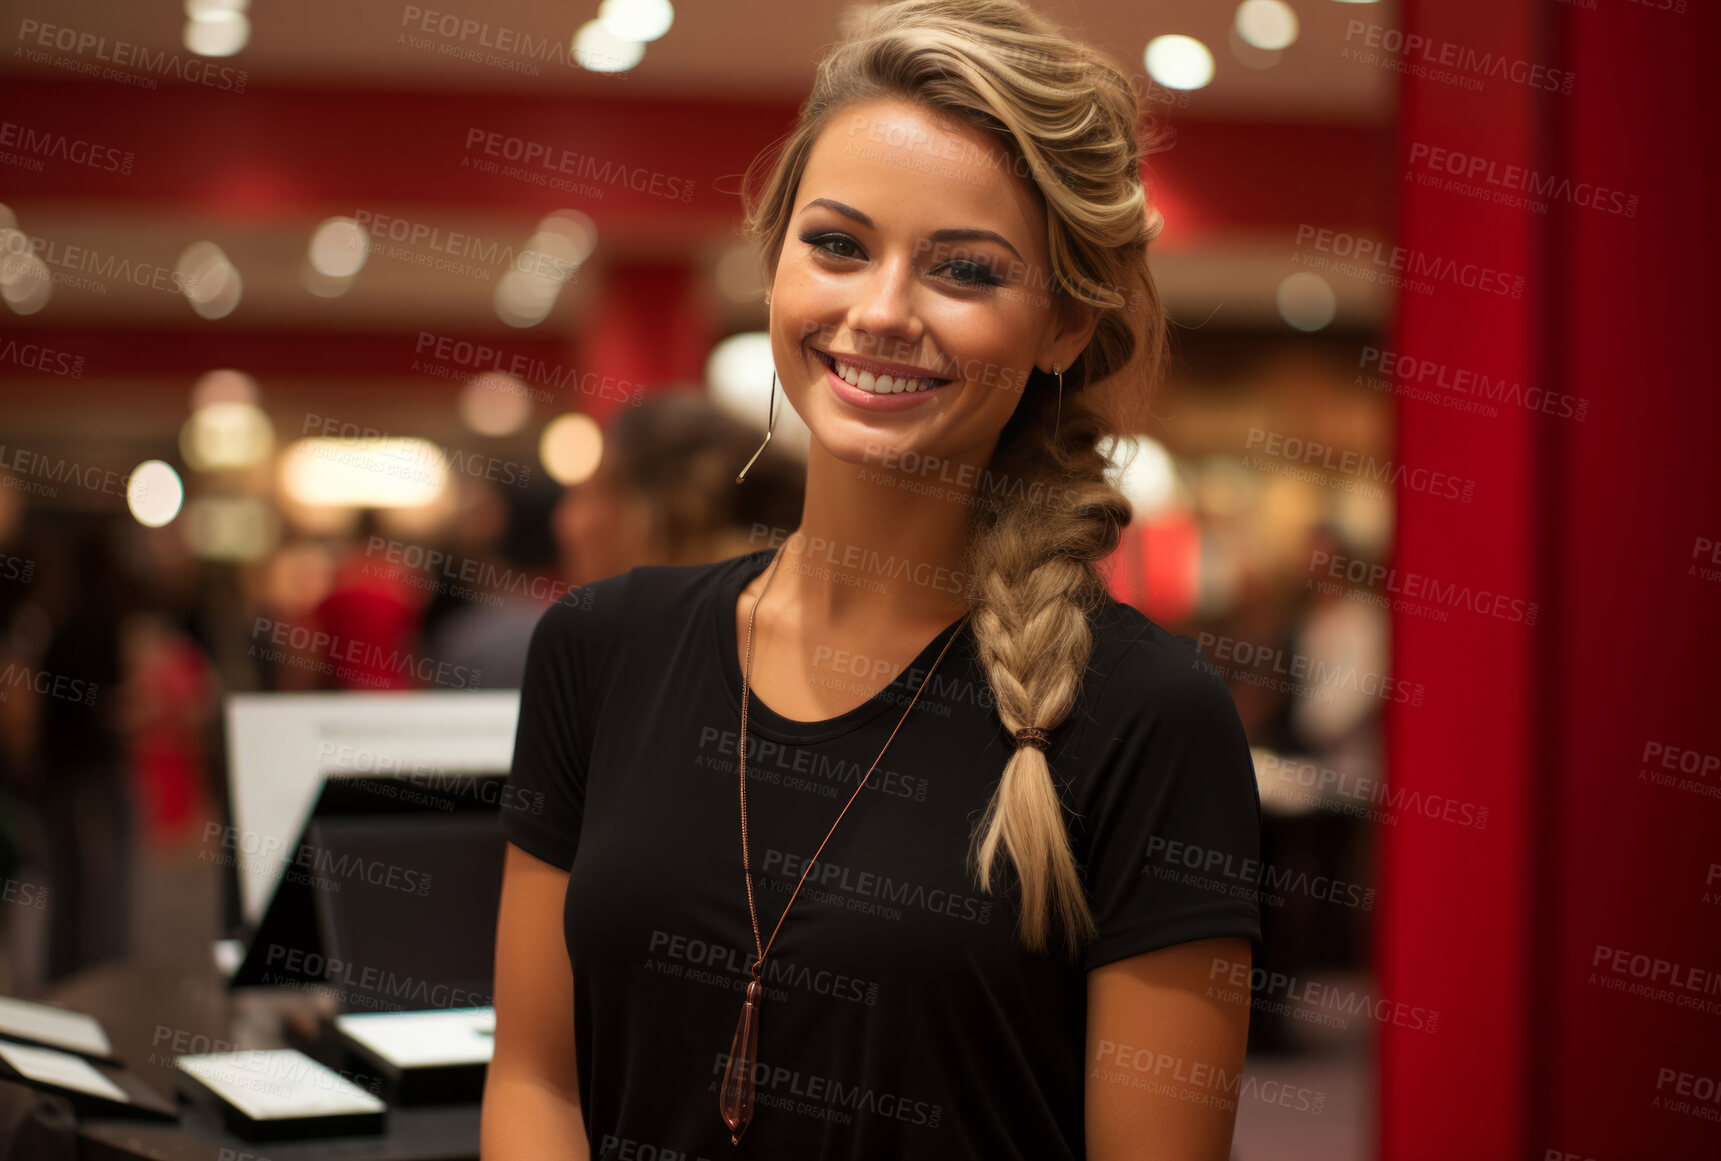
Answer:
(413, 925)
(282, 747)
(389, 898)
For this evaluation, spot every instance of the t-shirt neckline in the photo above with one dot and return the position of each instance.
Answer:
(767, 722)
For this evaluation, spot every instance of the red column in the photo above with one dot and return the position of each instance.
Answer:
(1593, 501)
(649, 327)
(1634, 784)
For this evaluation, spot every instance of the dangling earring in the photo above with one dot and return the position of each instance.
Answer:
(1058, 370)
(770, 426)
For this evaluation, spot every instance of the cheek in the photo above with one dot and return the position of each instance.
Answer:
(801, 305)
(990, 350)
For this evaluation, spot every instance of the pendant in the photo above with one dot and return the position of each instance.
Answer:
(735, 1100)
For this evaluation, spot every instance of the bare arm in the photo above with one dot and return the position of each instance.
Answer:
(531, 1105)
(1166, 1036)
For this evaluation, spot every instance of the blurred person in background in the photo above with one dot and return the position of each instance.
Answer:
(172, 689)
(661, 493)
(168, 715)
(17, 575)
(664, 491)
(368, 620)
(499, 575)
(65, 748)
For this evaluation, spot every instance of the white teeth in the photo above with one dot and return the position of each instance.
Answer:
(880, 384)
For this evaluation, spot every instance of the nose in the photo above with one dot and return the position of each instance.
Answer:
(883, 316)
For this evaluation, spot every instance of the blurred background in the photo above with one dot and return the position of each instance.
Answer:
(396, 322)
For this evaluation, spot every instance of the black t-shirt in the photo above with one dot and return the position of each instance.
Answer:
(902, 1018)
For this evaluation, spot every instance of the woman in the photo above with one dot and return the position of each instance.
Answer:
(942, 904)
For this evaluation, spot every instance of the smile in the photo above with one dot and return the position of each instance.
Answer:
(877, 384)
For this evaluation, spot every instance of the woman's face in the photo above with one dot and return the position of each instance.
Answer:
(914, 244)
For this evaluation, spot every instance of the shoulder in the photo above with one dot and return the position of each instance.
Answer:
(645, 598)
(1161, 747)
(1140, 667)
(583, 609)
(661, 588)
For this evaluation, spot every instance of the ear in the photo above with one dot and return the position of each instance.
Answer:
(1074, 329)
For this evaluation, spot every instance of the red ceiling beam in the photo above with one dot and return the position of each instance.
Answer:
(647, 163)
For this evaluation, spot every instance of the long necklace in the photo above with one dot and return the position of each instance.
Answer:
(735, 1100)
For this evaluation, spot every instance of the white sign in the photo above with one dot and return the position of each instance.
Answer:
(271, 1084)
(51, 1066)
(73, 1031)
(443, 1038)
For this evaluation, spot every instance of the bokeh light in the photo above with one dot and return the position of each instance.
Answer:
(223, 386)
(339, 247)
(154, 493)
(1306, 301)
(1143, 470)
(226, 434)
(212, 282)
(217, 32)
(636, 20)
(1267, 24)
(1179, 62)
(495, 403)
(602, 51)
(387, 472)
(231, 528)
(570, 447)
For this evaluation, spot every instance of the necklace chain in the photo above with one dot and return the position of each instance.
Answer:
(746, 868)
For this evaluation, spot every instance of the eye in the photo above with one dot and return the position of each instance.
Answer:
(824, 242)
(972, 273)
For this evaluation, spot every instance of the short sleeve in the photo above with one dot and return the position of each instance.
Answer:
(566, 662)
(1172, 816)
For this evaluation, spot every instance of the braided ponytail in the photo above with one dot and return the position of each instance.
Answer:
(1038, 586)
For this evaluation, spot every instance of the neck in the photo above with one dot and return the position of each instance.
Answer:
(879, 543)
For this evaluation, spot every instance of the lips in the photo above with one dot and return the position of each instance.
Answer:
(868, 380)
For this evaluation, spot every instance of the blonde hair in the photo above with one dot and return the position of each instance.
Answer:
(1045, 513)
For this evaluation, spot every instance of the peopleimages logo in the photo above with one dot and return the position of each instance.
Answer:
(1420, 586)
(36, 357)
(870, 885)
(488, 581)
(422, 241)
(58, 147)
(83, 260)
(510, 49)
(37, 39)
(1416, 52)
(1319, 676)
(805, 1092)
(325, 652)
(1294, 449)
(540, 160)
(1681, 985)
(730, 966)
(1371, 260)
(1463, 386)
(1517, 185)
(461, 356)
(1250, 879)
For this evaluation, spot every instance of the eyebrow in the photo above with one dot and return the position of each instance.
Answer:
(952, 235)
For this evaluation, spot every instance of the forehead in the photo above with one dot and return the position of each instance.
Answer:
(912, 173)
